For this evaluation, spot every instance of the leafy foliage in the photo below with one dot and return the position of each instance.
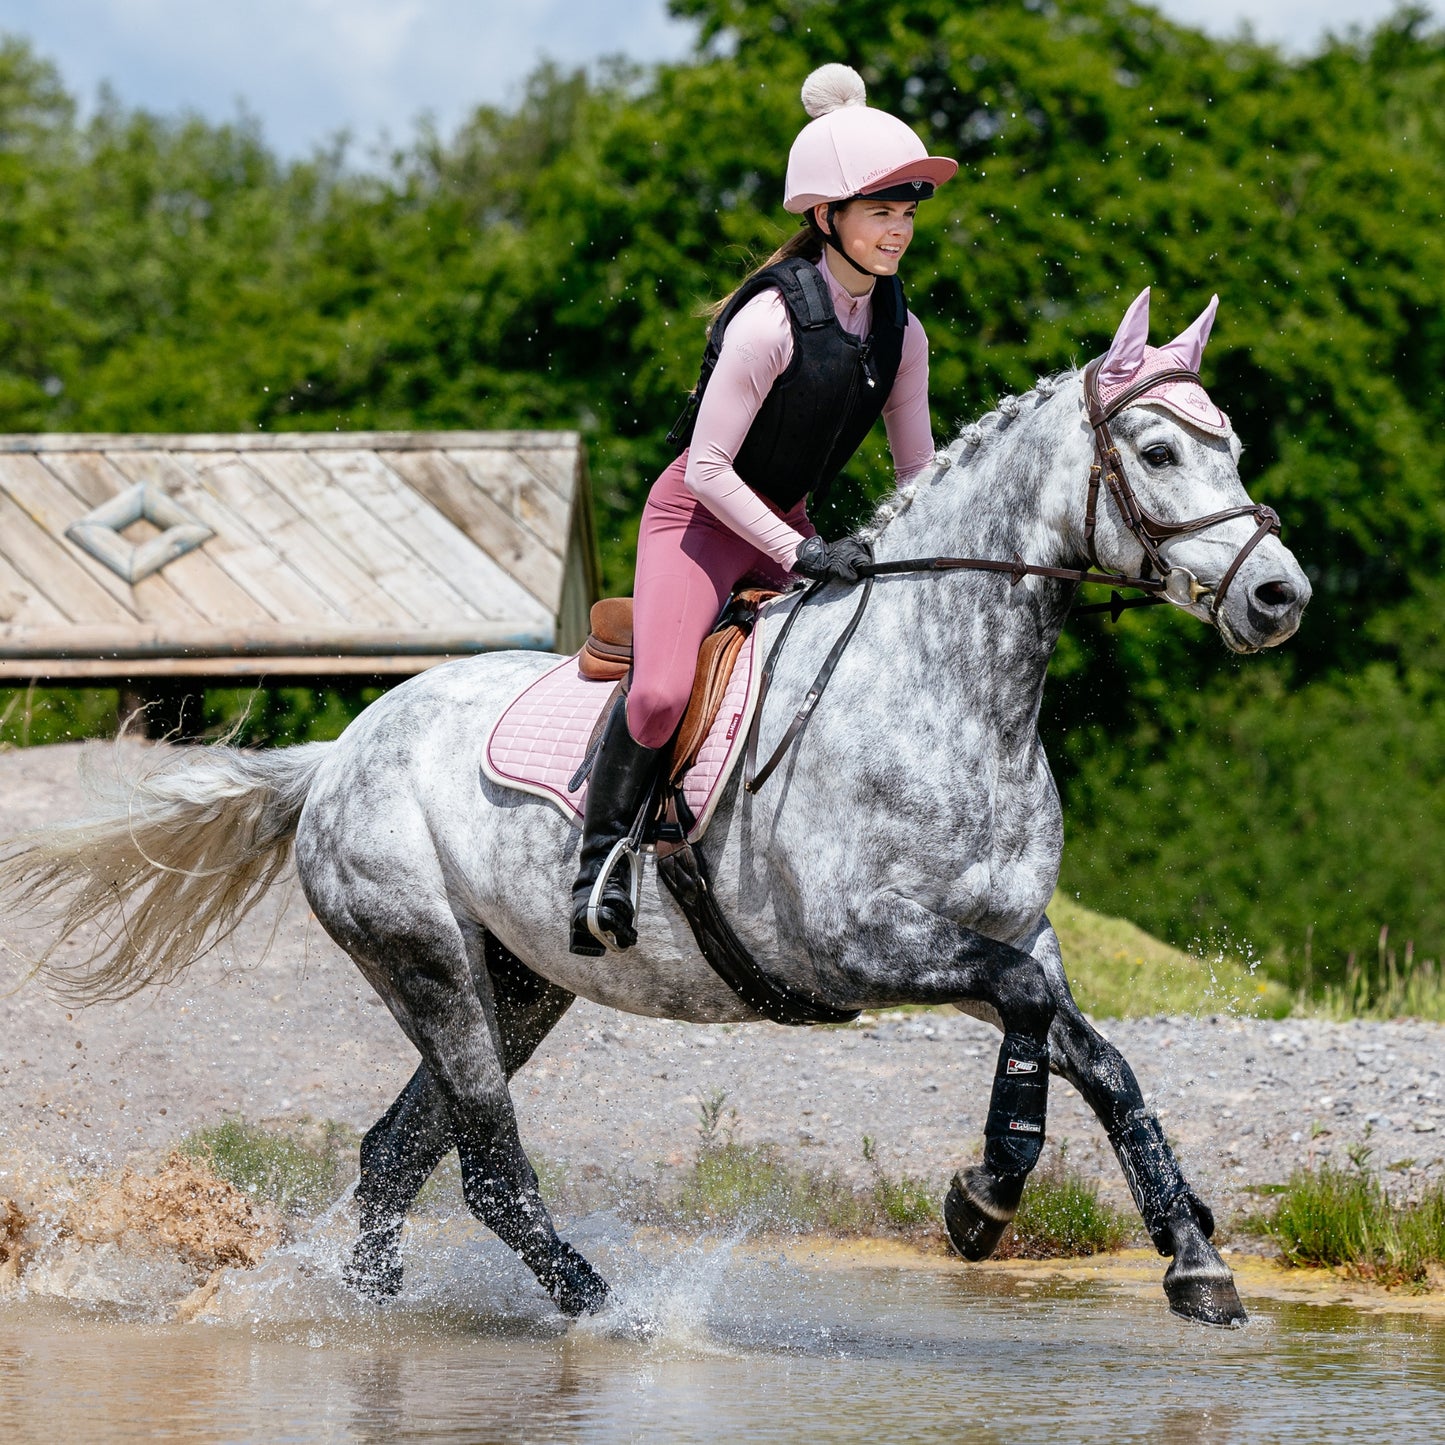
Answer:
(545, 265)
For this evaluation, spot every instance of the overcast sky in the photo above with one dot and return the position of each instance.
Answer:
(309, 68)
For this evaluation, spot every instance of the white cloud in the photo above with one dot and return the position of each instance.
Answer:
(1295, 24)
(309, 68)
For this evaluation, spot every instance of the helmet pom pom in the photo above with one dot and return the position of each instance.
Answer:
(831, 87)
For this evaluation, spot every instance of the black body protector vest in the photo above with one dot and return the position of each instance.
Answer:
(820, 409)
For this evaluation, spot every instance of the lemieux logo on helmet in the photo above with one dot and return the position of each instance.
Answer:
(1023, 1066)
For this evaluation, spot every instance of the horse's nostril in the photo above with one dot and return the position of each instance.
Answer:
(1275, 594)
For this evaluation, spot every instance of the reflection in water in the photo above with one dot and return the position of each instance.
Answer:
(705, 1344)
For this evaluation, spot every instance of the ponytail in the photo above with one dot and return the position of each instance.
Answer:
(806, 242)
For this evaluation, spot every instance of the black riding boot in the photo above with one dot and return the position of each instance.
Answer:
(617, 787)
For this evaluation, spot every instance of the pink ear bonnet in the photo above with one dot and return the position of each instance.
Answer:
(1130, 358)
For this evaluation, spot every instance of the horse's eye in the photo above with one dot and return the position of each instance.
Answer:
(1159, 455)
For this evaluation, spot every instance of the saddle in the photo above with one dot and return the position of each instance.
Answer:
(606, 656)
(554, 723)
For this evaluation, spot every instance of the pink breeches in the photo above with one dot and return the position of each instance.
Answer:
(688, 563)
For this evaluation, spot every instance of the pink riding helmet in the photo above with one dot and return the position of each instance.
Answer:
(850, 149)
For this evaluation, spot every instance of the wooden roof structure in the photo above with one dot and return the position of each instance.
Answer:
(296, 554)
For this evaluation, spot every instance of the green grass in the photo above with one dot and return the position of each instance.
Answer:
(1062, 1217)
(300, 1169)
(1392, 988)
(1345, 1218)
(1116, 970)
(752, 1186)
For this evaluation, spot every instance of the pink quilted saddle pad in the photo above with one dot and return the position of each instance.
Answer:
(540, 740)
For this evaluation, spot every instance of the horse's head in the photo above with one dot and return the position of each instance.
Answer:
(1176, 475)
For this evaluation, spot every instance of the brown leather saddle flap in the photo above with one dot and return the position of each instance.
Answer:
(607, 657)
(714, 667)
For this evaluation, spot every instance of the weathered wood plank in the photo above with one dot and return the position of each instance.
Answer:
(556, 466)
(432, 537)
(138, 640)
(284, 441)
(22, 603)
(524, 498)
(223, 671)
(305, 545)
(54, 569)
(373, 545)
(54, 506)
(440, 480)
(197, 576)
(218, 671)
(238, 547)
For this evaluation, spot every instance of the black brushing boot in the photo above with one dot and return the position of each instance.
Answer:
(617, 787)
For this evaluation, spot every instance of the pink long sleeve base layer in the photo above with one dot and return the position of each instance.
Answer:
(704, 529)
(757, 349)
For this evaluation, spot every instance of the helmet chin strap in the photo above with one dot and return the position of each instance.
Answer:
(830, 238)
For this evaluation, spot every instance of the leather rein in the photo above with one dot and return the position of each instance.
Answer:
(1175, 585)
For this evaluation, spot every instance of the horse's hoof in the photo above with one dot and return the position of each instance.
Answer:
(577, 1288)
(373, 1273)
(1205, 1295)
(974, 1224)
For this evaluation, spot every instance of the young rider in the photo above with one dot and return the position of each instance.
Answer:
(801, 361)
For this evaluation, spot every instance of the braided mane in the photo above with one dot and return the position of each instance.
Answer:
(972, 441)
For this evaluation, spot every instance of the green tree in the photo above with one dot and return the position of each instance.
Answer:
(545, 266)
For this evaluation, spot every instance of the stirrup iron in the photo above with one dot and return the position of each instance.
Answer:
(625, 848)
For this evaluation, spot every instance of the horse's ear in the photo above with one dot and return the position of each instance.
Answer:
(1126, 352)
(1187, 349)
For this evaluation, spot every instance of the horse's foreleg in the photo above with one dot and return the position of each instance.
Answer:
(1198, 1283)
(934, 960)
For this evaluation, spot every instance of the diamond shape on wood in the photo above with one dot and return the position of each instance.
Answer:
(98, 532)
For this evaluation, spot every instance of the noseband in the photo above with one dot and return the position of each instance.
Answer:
(1158, 582)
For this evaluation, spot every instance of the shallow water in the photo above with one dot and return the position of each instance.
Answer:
(705, 1343)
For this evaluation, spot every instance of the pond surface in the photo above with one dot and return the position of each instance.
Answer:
(706, 1343)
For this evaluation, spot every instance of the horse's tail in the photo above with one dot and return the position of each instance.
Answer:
(181, 847)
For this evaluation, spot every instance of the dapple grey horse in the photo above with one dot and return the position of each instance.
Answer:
(904, 853)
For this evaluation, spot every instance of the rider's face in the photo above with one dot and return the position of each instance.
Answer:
(875, 233)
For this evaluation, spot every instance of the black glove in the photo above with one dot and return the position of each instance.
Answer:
(837, 561)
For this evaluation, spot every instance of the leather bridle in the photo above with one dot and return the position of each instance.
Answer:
(1158, 582)
(1176, 584)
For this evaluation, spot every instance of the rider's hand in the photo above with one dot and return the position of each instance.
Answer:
(835, 561)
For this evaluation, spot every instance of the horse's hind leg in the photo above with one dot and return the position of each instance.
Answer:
(422, 967)
(1198, 1283)
(405, 1145)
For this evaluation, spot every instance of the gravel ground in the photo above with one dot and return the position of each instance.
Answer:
(298, 1033)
